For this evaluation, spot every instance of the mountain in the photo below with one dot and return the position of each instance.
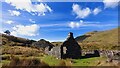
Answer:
(108, 38)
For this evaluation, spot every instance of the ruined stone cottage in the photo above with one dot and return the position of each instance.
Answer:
(69, 49)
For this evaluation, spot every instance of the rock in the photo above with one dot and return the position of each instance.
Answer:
(43, 44)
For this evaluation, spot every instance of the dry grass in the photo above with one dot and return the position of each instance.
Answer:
(19, 50)
(17, 62)
(101, 40)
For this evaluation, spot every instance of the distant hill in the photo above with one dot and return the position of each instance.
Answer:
(17, 41)
(97, 36)
(108, 38)
(57, 43)
(42, 43)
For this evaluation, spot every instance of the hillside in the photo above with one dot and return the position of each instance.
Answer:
(108, 38)
(18, 51)
(17, 41)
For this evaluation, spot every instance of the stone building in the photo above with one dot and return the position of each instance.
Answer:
(70, 48)
(55, 51)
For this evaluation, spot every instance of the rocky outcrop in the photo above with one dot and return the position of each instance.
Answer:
(43, 44)
(70, 48)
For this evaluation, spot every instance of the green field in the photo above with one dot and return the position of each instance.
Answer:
(50, 60)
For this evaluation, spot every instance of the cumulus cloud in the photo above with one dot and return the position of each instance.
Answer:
(85, 12)
(26, 5)
(75, 24)
(9, 22)
(96, 11)
(14, 13)
(81, 13)
(31, 20)
(28, 30)
(110, 3)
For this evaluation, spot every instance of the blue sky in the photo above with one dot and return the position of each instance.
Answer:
(54, 20)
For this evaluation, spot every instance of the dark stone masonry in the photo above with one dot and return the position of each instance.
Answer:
(69, 49)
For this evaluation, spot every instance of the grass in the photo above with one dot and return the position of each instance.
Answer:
(5, 62)
(6, 57)
(19, 50)
(23, 53)
(52, 61)
(26, 53)
(16, 61)
(88, 61)
(105, 40)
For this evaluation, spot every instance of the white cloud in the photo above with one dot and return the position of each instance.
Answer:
(75, 24)
(88, 24)
(84, 12)
(14, 13)
(28, 30)
(96, 11)
(9, 22)
(110, 3)
(81, 21)
(81, 13)
(31, 20)
(26, 5)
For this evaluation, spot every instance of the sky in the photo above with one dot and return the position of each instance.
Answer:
(54, 20)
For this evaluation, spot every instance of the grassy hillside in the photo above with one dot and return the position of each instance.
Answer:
(101, 39)
(18, 41)
(18, 51)
(15, 41)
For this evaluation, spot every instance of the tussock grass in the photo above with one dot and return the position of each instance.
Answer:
(16, 61)
(19, 50)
